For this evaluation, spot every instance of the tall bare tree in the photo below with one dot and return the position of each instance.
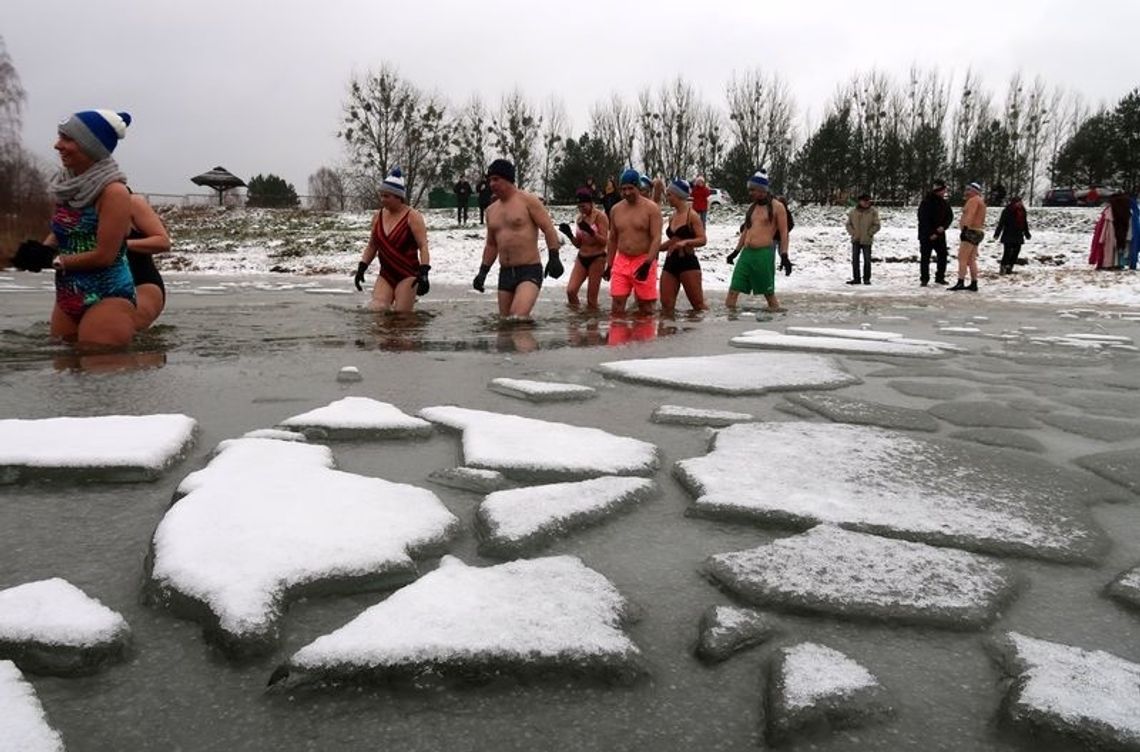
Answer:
(24, 206)
(471, 128)
(760, 113)
(615, 124)
(327, 190)
(515, 130)
(555, 127)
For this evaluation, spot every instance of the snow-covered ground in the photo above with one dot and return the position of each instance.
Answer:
(253, 241)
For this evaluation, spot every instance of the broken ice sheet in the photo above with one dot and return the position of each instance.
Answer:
(861, 412)
(359, 417)
(541, 391)
(794, 474)
(737, 374)
(765, 339)
(695, 416)
(23, 725)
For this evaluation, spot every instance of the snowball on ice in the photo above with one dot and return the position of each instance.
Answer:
(541, 391)
(538, 449)
(359, 417)
(815, 688)
(1091, 697)
(742, 373)
(795, 474)
(23, 725)
(112, 448)
(841, 573)
(519, 520)
(765, 339)
(531, 616)
(52, 627)
(268, 520)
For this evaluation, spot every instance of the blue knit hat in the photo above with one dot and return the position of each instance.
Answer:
(96, 131)
(630, 177)
(759, 179)
(679, 187)
(394, 184)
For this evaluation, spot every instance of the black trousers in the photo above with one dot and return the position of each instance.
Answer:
(1009, 254)
(926, 247)
(864, 250)
(461, 212)
(482, 209)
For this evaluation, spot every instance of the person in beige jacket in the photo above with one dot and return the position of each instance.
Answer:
(862, 224)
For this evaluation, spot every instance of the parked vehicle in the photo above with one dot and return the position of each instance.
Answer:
(1094, 195)
(1060, 197)
(718, 197)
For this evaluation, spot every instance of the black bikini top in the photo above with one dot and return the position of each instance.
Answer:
(684, 232)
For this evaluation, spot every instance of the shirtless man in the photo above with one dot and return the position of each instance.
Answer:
(631, 253)
(589, 237)
(973, 232)
(765, 222)
(513, 223)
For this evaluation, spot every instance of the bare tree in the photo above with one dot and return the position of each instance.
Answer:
(711, 143)
(555, 127)
(650, 128)
(1036, 124)
(615, 123)
(515, 130)
(760, 113)
(327, 189)
(471, 127)
(24, 204)
(1067, 111)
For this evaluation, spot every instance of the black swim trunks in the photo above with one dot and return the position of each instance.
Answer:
(144, 272)
(678, 262)
(510, 277)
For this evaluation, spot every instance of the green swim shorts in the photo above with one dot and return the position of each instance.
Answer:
(755, 272)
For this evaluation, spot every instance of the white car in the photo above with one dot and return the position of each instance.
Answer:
(718, 197)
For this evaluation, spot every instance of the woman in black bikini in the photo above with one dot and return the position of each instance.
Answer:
(682, 269)
(589, 237)
(147, 237)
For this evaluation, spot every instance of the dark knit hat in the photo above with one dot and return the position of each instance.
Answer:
(502, 168)
(96, 131)
(584, 194)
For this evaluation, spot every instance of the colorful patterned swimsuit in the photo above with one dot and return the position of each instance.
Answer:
(75, 231)
(397, 250)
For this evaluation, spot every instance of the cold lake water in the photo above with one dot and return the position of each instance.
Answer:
(238, 355)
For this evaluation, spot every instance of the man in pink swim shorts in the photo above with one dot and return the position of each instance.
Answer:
(631, 253)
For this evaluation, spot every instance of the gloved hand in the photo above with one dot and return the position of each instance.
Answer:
(1027, 235)
(33, 256)
(564, 228)
(785, 264)
(606, 273)
(358, 278)
(481, 277)
(642, 272)
(554, 264)
(422, 284)
(584, 226)
(732, 257)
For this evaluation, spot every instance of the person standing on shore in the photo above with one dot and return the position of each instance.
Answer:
(765, 224)
(611, 196)
(631, 253)
(399, 238)
(483, 197)
(513, 223)
(1012, 230)
(700, 193)
(973, 233)
(862, 224)
(462, 199)
(934, 217)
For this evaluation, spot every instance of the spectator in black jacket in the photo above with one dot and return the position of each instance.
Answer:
(483, 192)
(934, 216)
(1012, 230)
(462, 199)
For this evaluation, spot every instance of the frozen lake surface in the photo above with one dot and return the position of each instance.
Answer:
(253, 352)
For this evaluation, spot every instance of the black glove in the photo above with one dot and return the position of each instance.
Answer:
(606, 273)
(564, 228)
(584, 226)
(358, 278)
(732, 257)
(642, 272)
(554, 264)
(422, 284)
(1027, 235)
(785, 264)
(33, 256)
(481, 277)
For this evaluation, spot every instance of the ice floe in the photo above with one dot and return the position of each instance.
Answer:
(520, 520)
(1126, 587)
(1101, 429)
(695, 416)
(359, 417)
(23, 725)
(725, 630)
(52, 627)
(541, 391)
(1000, 437)
(822, 331)
(936, 390)
(860, 412)
(744, 373)
(542, 450)
(846, 574)
(1121, 467)
(980, 414)
(471, 479)
(266, 521)
(274, 433)
(112, 448)
(530, 617)
(815, 689)
(1089, 697)
(765, 339)
(935, 491)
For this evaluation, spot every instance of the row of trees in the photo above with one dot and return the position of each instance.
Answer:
(888, 136)
(24, 208)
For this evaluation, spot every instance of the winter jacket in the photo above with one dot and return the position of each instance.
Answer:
(1102, 251)
(862, 224)
(1134, 252)
(933, 212)
(1009, 230)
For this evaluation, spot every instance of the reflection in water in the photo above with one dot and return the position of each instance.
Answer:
(401, 331)
(108, 362)
(625, 330)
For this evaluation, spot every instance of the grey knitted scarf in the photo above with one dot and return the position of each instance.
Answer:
(78, 191)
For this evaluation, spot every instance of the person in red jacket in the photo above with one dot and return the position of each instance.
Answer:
(700, 194)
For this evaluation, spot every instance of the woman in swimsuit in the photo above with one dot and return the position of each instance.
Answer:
(399, 238)
(147, 237)
(589, 237)
(682, 269)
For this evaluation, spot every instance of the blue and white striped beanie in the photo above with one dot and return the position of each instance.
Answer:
(96, 131)
(679, 187)
(759, 179)
(394, 184)
(644, 181)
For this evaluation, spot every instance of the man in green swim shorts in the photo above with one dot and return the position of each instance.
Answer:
(766, 220)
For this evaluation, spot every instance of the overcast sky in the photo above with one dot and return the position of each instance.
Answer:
(257, 85)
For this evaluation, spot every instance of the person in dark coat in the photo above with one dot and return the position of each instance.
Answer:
(462, 199)
(1012, 230)
(484, 197)
(934, 216)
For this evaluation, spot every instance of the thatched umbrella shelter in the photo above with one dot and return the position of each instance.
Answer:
(220, 179)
